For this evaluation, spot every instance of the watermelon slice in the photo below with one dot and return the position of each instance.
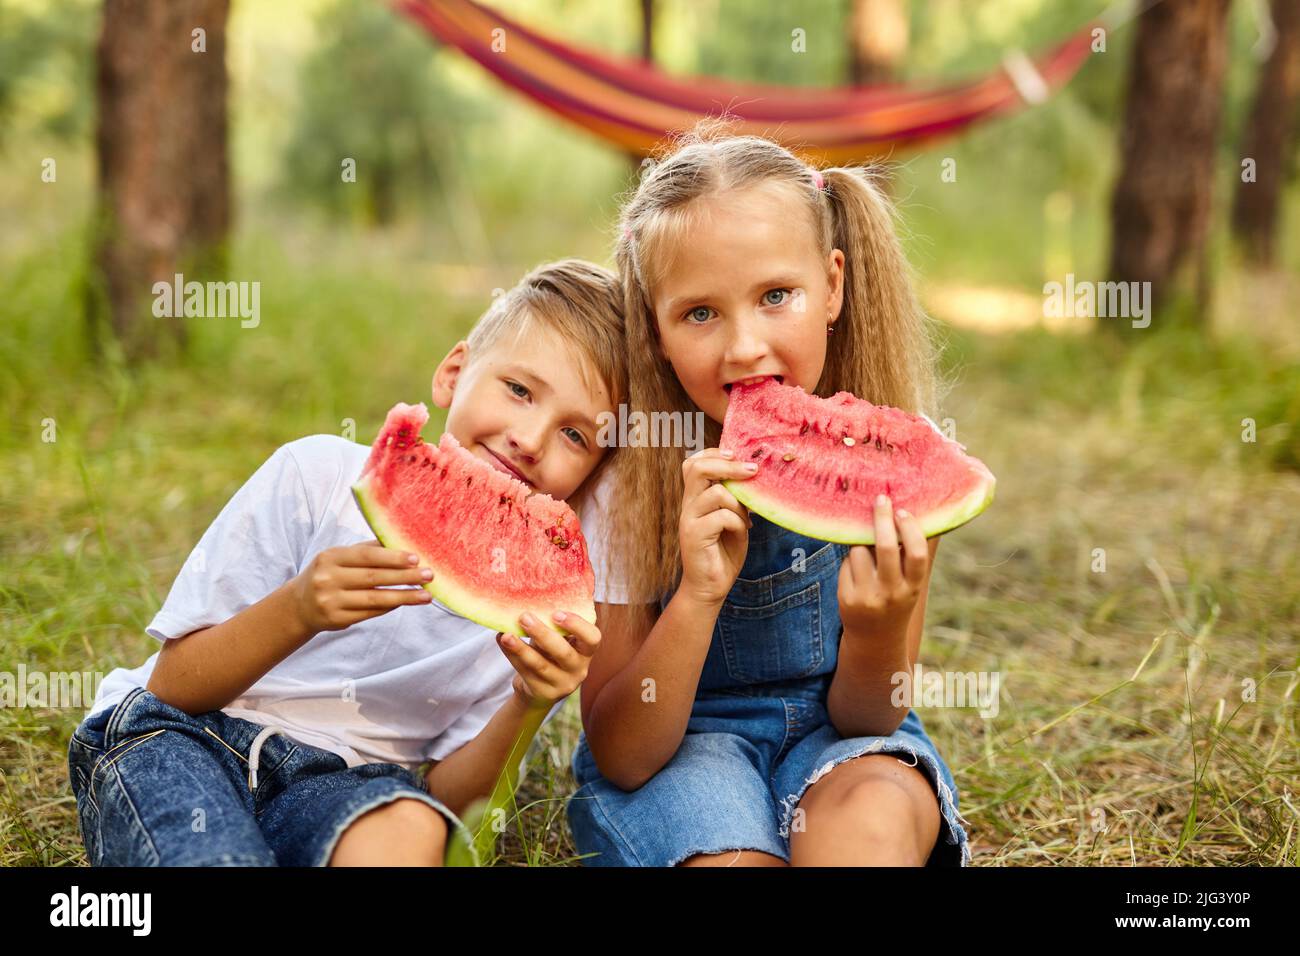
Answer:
(822, 461)
(496, 547)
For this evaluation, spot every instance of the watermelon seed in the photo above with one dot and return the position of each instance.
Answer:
(842, 484)
(787, 457)
(850, 442)
(757, 452)
(804, 430)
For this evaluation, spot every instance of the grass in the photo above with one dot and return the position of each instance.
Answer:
(1122, 735)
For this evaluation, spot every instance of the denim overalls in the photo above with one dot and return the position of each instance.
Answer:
(759, 734)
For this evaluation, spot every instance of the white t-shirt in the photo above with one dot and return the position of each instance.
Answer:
(413, 684)
(610, 588)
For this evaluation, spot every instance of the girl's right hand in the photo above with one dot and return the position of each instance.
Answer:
(341, 585)
(714, 527)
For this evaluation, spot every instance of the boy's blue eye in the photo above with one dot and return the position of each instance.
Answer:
(781, 292)
(576, 436)
(522, 393)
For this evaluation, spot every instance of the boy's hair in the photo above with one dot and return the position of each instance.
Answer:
(882, 350)
(582, 304)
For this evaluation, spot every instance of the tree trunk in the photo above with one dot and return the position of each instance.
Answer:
(1160, 209)
(1268, 138)
(164, 182)
(877, 40)
(648, 30)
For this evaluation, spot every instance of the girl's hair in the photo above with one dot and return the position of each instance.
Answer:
(882, 350)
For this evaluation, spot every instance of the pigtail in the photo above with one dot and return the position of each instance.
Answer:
(883, 343)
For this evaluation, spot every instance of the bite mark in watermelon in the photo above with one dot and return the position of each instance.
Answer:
(496, 547)
(823, 461)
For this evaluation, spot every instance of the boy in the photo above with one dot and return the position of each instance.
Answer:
(297, 689)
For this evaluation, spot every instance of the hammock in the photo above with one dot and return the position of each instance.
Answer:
(634, 106)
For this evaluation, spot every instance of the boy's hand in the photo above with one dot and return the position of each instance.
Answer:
(341, 585)
(879, 594)
(554, 664)
(714, 526)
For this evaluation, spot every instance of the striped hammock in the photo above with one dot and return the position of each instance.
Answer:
(632, 105)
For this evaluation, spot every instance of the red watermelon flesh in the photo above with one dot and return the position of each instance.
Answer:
(823, 461)
(496, 547)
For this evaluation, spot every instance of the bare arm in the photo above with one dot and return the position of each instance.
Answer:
(208, 668)
(470, 772)
(548, 669)
(885, 642)
(637, 699)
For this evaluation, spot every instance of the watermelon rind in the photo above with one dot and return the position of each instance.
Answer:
(454, 594)
(933, 523)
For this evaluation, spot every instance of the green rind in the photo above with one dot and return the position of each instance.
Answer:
(933, 523)
(454, 595)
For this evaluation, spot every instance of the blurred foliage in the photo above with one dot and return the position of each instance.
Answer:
(47, 68)
(466, 166)
(770, 54)
(370, 94)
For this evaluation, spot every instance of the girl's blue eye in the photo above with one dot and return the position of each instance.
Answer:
(522, 393)
(781, 292)
(576, 436)
(695, 313)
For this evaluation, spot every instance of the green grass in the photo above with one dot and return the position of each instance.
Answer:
(1135, 449)
(1122, 735)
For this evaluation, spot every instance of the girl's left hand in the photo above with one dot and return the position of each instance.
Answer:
(879, 584)
(554, 664)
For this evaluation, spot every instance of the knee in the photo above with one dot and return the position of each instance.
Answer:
(891, 809)
(405, 832)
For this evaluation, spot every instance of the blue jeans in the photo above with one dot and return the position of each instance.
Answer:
(158, 787)
(759, 733)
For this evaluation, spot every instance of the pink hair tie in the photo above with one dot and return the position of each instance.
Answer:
(627, 233)
(818, 180)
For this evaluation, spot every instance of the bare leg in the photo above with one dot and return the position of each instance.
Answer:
(874, 810)
(404, 832)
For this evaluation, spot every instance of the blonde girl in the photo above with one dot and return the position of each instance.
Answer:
(741, 709)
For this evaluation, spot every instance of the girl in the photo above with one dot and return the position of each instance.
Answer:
(740, 710)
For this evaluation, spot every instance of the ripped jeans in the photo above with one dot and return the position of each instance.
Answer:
(156, 786)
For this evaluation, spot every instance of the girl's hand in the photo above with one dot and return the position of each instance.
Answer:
(714, 526)
(341, 586)
(553, 665)
(879, 594)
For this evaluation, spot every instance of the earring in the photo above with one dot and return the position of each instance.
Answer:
(830, 326)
